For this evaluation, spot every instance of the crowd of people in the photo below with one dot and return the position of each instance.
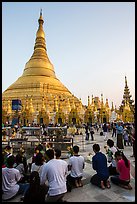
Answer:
(124, 133)
(49, 177)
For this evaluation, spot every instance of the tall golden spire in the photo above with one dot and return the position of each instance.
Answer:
(39, 63)
(112, 108)
(40, 43)
(92, 100)
(125, 81)
(88, 101)
(127, 95)
(107, 105)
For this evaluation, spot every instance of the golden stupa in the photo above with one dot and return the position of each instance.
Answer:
(38, 88)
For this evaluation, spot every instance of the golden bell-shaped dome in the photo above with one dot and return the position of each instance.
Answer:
(38, 77)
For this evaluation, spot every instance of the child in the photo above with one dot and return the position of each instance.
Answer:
(125, 136)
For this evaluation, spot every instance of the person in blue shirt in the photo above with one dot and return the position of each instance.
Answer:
(99, 163)
(119, 129)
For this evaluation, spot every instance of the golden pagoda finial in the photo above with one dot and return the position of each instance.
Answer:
(41, 21)
(107, 105)
(112, 108)
(88, 101)
(102, 103)
(41, 12)
(125, 81)
(102, 97)
(92, 100)
(40, 35)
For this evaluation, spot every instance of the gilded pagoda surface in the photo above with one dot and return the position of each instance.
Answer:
(39, 77)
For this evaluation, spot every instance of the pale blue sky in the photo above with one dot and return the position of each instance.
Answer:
(91, 45)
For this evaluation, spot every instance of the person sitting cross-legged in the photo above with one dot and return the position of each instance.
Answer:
(99, 163)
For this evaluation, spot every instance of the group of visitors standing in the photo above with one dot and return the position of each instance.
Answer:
(124, 133)
(89, 130)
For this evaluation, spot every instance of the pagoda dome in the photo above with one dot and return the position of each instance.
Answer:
(38, 77)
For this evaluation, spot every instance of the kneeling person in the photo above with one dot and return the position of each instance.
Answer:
(76, 165)
(99, 163)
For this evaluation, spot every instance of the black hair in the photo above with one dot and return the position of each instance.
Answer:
(96, 147)
(8, 147)
(39, 147)
(50, 153)
(75, 149)
(34, 178)
(120, 153)
(36, 192)
(110, 143)
(57, 153)
(39, 159)
(10, 161)
(19, 159)
(34, 185)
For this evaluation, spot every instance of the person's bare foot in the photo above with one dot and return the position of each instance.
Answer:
(76, 183)
(80, 183)
(108, 184)
(128, 187)
(102, 185)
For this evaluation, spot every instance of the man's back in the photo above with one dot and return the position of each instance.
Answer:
(10, 177)
(55, 171)
(99, 162)
(77, 164)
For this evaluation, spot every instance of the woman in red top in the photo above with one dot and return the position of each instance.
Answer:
(123, 168)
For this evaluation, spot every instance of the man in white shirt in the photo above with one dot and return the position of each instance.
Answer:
(10, 179)
(76, 165)
(55, 171)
